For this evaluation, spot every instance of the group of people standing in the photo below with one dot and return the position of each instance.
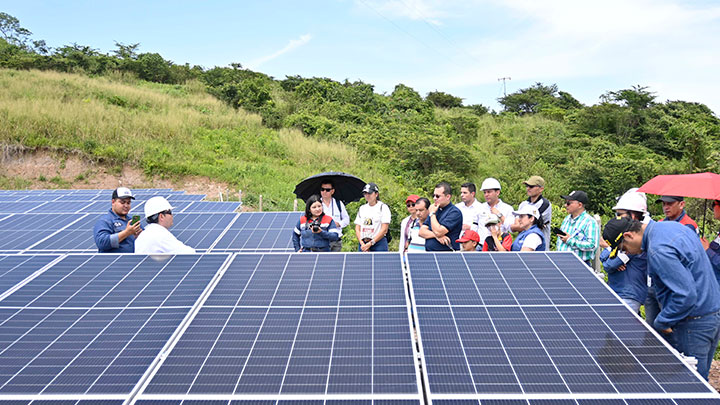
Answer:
(662, 265)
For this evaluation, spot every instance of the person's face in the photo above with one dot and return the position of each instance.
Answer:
(623, 214)
(573, 207)
(316, 209)
(410, 207)
(166, 219)
(524, 221)
(421, 211)
(370, 197)
(326, 191)
(468, 246)
(716, 210)
(491, 196)
(673, 209)
(440, 198)
(631, 243)
(533, 191)
(121, 206)
(466, 196)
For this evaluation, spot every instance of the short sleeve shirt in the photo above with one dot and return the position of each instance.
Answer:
(371, 218)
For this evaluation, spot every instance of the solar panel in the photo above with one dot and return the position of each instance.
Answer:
(260, 232)
(14, 269)
(21, 231)
(524, 327)
(186, 197)
(59, 207)
(91, 326)
(210, 206)
(290, 326)
(19, 207)
(200, 231)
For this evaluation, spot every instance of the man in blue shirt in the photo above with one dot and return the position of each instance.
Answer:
(684, 283)
(113, 232)
(442, 228)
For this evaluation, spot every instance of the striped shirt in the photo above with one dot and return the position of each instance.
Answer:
(584, 234)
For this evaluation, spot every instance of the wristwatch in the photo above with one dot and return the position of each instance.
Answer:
(372, 242)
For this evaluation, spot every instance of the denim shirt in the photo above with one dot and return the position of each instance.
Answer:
(630, 283)
(106, 232)
(684, 280)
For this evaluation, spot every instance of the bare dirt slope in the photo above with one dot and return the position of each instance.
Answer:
(47, 170)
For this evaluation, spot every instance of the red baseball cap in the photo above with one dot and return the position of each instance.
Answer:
(469, 235)
(412, 198)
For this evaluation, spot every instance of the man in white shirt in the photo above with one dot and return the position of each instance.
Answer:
(494, 205)
(157, 238)
(372, 221)
(335, 209)
(469, 206)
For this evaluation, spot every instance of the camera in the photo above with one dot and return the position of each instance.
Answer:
(315, 225)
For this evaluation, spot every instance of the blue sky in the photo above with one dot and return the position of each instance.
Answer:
(458, 46)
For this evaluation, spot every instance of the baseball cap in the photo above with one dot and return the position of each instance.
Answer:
(527, 209)
(122, 192)
(490, 184)
(492, 220)
(412, 198)
(577, 195)
(535, 181)
(370, 188)
(613, 232)
(670, 198)
(469, 235)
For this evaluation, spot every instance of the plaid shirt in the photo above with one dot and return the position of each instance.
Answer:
(584, 234)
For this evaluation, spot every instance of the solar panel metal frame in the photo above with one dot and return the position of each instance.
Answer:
(142, 397)
(570, 398)
(125, 397)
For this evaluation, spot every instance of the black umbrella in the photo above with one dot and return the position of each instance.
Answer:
(348, 188)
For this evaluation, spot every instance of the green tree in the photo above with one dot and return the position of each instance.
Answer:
(537, 98)
(443, 100)
(11, 30)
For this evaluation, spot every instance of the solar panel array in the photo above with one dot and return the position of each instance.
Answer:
(535, 326)
(61, 221)
(249, 323)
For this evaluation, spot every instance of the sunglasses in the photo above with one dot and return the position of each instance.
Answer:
(569, 202)
(326, 189)
(410, 204)
(168, 212)
(529, 186)
(437, 195)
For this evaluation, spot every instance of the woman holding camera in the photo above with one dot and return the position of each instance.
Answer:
(315, 230)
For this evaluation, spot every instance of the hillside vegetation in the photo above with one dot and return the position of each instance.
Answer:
(263, 135)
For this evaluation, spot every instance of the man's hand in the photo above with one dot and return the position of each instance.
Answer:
(433, 208)
(603, 244)
(622, 267)
(365, 246)
(564, 238)
(131, 230)
(444, 240)
(666, 331)
(705, 243)
(496, 211)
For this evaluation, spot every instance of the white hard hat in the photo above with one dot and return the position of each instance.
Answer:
(156, 205)
(490, 184)
(632, 200)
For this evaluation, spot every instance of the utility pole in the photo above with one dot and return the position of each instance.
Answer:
(504, 89)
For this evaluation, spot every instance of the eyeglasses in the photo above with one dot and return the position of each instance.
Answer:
(569, 202)
(437, 195)
(168, 212)
(326, 189)
(530, 186)
(410, 204)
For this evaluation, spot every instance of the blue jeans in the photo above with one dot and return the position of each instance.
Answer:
(381, 246)
(652, 307)
(697, 337)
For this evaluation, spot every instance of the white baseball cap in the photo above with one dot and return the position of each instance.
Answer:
(122, 192)
(528, 209)
(490, 184)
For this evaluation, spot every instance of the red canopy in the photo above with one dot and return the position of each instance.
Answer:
(697, 185)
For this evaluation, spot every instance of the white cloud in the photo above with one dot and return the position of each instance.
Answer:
(430, 11)
(292, 45)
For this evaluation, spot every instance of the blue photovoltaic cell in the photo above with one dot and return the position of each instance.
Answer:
(14, 269)
(186, 197)
(24, 230)
(260, 231)
(19, 207)
(78, 236)
(280, 324)
(103, 206)
(209, 206)
(534, 324)
(200, 231)
(93, 324)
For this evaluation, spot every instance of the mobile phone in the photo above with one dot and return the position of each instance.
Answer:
(135, 219)
(558, 231)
